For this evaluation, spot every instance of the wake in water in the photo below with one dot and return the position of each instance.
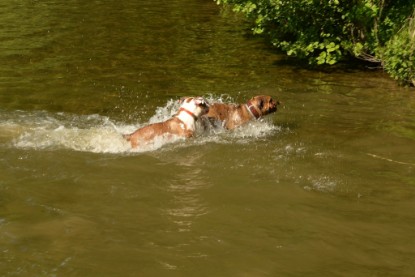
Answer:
(99, 134)
(42, 130)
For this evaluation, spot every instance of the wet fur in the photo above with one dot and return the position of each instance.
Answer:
(231, 116)
(181, 125)
(170, 127)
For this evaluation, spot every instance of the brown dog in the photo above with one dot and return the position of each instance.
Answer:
(230, 116)
(181, 125)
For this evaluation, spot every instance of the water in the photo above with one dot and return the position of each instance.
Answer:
(324, 187)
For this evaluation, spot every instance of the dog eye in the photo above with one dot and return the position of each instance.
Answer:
(261, 104)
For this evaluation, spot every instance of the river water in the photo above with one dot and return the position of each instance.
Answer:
(324, 187)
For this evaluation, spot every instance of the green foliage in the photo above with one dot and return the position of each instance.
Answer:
(326, 32)
(399, 55)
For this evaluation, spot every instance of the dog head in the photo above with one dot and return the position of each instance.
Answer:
(261, 105)
(197, 106)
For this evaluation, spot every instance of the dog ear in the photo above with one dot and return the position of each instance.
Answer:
(261, 104)
(181, 100)
(186, 99)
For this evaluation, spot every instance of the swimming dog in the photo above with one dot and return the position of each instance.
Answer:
(181, 125)
(231, 116)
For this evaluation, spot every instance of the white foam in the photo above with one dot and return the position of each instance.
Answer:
(322, 184)
(164, 113)
(100, 134)
(92, 133)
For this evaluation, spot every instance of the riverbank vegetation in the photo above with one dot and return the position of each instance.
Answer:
(327, 32)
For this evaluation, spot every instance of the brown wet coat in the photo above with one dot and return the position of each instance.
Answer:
(172, 126)
(231, 116)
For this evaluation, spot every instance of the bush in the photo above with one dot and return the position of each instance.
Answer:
(326, 32)
(399, 55)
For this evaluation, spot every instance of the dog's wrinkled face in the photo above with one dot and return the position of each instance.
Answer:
(196, 105)
(265, 104)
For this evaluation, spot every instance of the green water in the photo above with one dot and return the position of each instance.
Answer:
(324, 187)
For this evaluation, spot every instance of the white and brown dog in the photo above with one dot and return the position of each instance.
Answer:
(181, 125)
(230, 116)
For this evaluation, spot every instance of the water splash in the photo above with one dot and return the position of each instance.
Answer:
(99, 134)
(42, 130)
(321, 183)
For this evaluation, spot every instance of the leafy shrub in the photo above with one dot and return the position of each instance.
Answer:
(399, 55)
(328, 31)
